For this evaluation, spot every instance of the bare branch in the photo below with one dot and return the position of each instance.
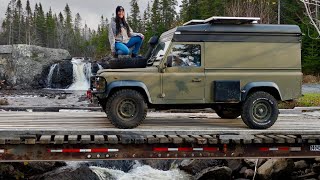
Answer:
(312, 11)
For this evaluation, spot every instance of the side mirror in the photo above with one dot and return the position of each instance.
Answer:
(153, 40)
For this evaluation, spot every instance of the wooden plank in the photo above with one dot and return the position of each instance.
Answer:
(45, 139)
(176, 139)
(85, 139)
(266, 139)
(310, 137)
(152, 139)
(99, 139)
(163, 139)
(28, 139)
(212, 139)
(72, 139)
(140, 139)
(257, 140)
(200, 140)
(288, 139)
(113, 139)
(58, 139)
(13, 140)
(188, 139)
(277, 139)
(126, 139)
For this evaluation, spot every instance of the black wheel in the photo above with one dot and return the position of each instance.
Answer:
(228, 113)
(103, 103)
(260, 110)
(126, 109)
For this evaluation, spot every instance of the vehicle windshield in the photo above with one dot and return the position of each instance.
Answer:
(160, 49)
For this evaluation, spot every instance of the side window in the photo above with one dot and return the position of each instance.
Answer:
(184, 55)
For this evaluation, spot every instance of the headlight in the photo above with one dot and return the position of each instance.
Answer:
(98, 83)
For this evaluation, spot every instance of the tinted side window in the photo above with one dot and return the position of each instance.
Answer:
(185, 55)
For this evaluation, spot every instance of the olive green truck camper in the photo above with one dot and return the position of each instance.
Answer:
(233, 65)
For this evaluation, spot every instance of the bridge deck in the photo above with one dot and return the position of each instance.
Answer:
(157, 123)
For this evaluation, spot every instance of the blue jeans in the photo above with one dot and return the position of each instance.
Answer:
(123, 48)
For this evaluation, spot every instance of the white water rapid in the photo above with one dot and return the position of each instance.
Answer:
(140, 172)
(49, 78)
(81, 74)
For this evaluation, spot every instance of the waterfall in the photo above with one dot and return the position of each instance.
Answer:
(49, 78)
(81, 74)
(100, 67)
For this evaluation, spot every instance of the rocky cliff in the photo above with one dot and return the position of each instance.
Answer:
(22, 65)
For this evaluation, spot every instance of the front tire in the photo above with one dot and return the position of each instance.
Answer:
(260, 110)
(126, 109)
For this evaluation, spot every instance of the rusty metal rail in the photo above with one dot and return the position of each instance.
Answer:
(89, 136)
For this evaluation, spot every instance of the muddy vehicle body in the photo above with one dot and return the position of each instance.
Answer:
(232, 65)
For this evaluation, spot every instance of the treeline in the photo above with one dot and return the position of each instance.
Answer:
(48, 29)
(33, 26)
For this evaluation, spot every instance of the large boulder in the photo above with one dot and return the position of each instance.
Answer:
(194, 166)
(69, 173)
(276, 169)
(21, 65)
(214, 173)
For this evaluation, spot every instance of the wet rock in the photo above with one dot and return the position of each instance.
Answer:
(308, 176)
(250, 162)
(214, 173)
(317, 159)
(42, 167)
(316, 168)
(235, 165)
(22, 64)
(4, 102)
(275, 169)
(243, 170)
(248, 173)
(194, 166)
(62, 96)
(302, 164)
(82, 98)
(307, 171)
(319, 177)
(69, 173)
(62, 76)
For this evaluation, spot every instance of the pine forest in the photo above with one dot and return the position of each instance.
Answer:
(23, 24)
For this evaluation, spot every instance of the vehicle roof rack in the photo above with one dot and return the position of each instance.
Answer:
(224, 20)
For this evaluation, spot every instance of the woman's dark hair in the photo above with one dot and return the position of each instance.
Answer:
(119, 21)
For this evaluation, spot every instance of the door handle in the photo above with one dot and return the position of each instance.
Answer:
(196, 80)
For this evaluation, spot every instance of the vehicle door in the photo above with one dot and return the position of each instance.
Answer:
(183, 78)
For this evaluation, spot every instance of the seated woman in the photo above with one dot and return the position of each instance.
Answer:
(121, 36)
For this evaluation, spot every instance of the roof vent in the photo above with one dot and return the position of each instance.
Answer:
(224, 20)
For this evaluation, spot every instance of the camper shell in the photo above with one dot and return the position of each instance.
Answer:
(233, 65)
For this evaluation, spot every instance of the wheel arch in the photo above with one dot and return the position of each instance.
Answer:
(135, 85)
(269, 87)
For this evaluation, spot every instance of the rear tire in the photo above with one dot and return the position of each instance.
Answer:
(260, 110)
(126, 109)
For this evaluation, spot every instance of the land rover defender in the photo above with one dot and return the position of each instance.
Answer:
(231, 64)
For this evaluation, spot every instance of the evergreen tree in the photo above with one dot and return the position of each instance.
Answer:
(135, 18)
(28, 23)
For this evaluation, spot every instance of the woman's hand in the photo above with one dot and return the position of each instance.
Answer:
(141, 35)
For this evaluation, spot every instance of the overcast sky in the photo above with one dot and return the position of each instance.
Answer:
(90, 10)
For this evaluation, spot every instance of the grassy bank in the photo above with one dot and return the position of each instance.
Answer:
(308, 100)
